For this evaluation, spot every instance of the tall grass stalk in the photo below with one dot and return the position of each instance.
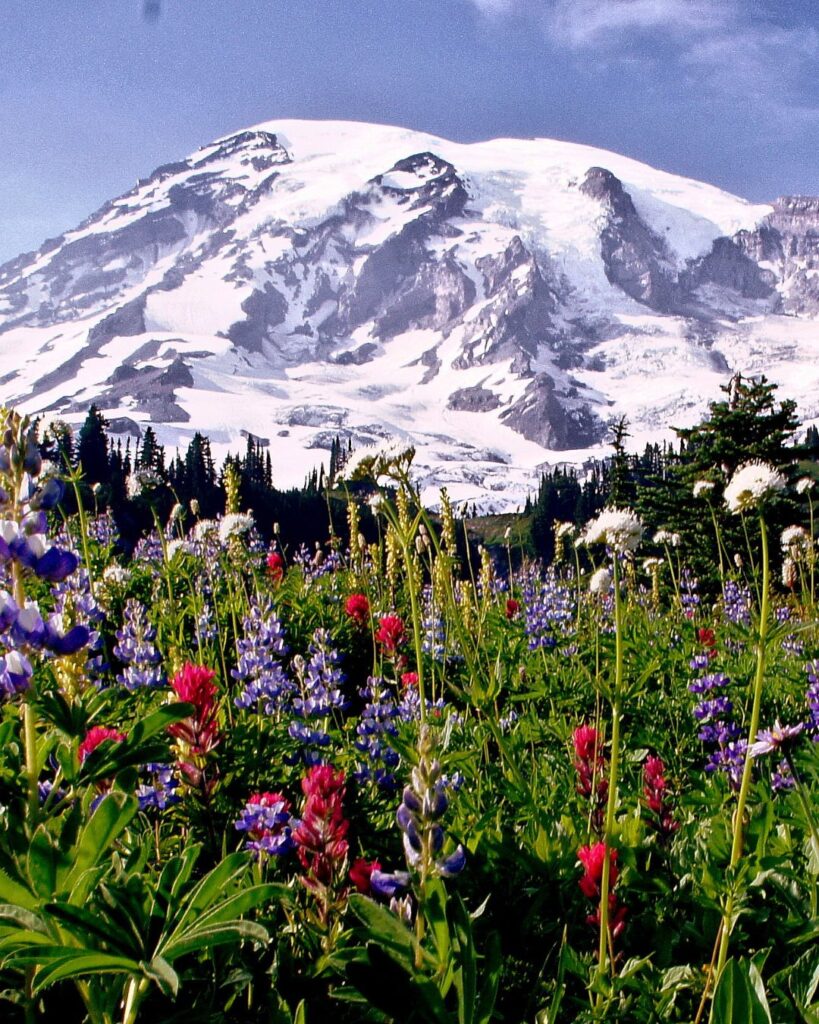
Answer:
(614, 768)
(753, 729)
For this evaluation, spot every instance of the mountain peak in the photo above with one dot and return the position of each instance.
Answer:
(498, 302)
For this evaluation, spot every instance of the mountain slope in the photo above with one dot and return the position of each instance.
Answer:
(498, 303)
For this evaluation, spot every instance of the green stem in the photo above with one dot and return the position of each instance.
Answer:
(416, 629)
(614, 767)
(133, 997)
(812, 553)
(753, 729)
(720, 546)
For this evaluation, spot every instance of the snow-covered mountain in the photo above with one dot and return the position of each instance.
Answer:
(498, 303)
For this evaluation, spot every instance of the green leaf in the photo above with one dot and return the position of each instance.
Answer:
(385, 927)
(396, 989)
(11, 913)
(86, 925)
(78, 964)
(491, 969)
(435, 911)
(739, 997)
(195, 939)
(112, 815)
(208, 890)
(160, 971)
(803, 979)
(13, 892)
(466, 973)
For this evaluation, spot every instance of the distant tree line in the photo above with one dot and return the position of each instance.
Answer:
(748, 424)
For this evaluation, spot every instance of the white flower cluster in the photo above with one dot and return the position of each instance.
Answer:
(600, 583)
(667, 537)
(142, 479)
(805, 484)
(374, 461)
(564, 530)
(795, 540)
(233, 524)
(702, 488)
(205, 528)
(115, 574)
(751, 484)
(619, 528)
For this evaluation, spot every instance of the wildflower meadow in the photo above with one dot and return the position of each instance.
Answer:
(396, 777)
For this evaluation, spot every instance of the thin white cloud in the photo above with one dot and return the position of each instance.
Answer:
(583, 23)
(727, 48)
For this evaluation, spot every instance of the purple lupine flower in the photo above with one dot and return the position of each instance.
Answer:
(782, 778)
(717, 708)
(423, 804)
(161, 791)
(708, 683)
(736, 601)
(731, 760)
(689, 596)
(319, 693)
(135, 649)
(259, 665)
(74, 601)
(548, 608)
(376, 724)
(269, 825)
(389, 884)
(812, 698)
(15, 673)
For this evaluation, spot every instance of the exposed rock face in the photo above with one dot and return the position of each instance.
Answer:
(475, 399)
(728, 266)
(788, 244)
(517, 319)
(635, 258)
(542, 417)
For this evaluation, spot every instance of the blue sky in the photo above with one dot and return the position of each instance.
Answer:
(96, 93)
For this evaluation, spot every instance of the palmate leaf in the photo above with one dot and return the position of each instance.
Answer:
(206, 936)
(87, 926)
(110, 818)
(222, 923)
(81, 963)
(214, 885)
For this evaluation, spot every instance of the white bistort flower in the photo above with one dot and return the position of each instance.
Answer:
(790, 573)
(233, 524)
(619, 528)
(564, 530)
(389, 459)
(600, 583)
(204, 528)
(795, 540)
(751, 484)
(702, 488)
(805, 484)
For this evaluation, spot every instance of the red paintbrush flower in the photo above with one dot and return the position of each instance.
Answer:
(96, 735)
(358, 608)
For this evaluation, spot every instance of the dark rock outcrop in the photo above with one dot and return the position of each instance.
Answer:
(543, 416)
(634, 257)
